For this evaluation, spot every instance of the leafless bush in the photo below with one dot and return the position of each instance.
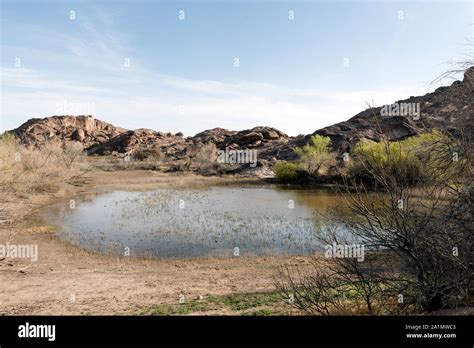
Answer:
(459, 67)
(206, 160)
(69, 153)
(30, 170)
(153, 154)
(339, 286)
(419, 235)
(180, 165)
(148, 158)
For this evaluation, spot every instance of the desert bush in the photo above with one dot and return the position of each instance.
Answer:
(146, 159)
(8, 150)
(287, 170)
(316, 157)
(30, 170)
(69, 153)
(206, 160)
(151, 154)
(412, 159)
(393, 157)
(179, 165)
(420, 231)
(339, 286)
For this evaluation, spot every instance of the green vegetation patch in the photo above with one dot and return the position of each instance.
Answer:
(413, 159)
(286, 170)
(314, 159)
(260, 303)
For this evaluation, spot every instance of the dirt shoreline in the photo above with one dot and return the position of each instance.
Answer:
(70, 281)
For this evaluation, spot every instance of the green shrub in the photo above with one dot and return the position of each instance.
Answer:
(412, 159)
(317, 144)
(287, 170)
(316, 157)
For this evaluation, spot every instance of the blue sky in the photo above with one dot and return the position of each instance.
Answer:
(137, 64)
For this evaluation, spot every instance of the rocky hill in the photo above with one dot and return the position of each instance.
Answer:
(271, 143)
(101, 138)
(442, 109)
(84, 129)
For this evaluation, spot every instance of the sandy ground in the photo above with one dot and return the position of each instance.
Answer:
(68, 281)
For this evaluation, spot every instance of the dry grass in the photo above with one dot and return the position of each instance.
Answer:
(26, 171)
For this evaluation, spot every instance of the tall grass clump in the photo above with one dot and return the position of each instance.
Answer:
(35, 170)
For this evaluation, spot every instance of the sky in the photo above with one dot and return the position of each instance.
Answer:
(193, 65)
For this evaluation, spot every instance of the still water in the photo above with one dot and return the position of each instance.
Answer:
(189, 223)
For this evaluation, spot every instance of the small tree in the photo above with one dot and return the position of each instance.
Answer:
(69, 153)
(419, 235)
(316, 156)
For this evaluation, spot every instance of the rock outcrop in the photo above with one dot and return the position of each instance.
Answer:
(131, 141)
(441, 109)
(266, 139)
(60, 129)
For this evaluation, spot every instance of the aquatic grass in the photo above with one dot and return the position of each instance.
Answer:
(213, 221)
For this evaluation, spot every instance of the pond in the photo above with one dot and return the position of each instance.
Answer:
(189, 223)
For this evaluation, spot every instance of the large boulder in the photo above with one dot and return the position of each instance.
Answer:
(215, 135)
(78, 135)
(247, 139)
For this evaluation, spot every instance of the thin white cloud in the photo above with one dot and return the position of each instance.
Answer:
(136, 97)
(235, 106)
(31, 79)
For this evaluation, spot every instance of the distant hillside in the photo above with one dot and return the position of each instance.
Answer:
(442, 109)
(101, 138)
(84, 129)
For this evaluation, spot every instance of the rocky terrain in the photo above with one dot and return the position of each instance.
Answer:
(84, 129)
(440, 109)
(101, 138)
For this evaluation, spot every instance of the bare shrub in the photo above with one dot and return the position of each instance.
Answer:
(148, 158)
(179, 165)
(31, 170)
(339, 286)
(153, 154)
(69, 153)
(206, 160)
(419, 233)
